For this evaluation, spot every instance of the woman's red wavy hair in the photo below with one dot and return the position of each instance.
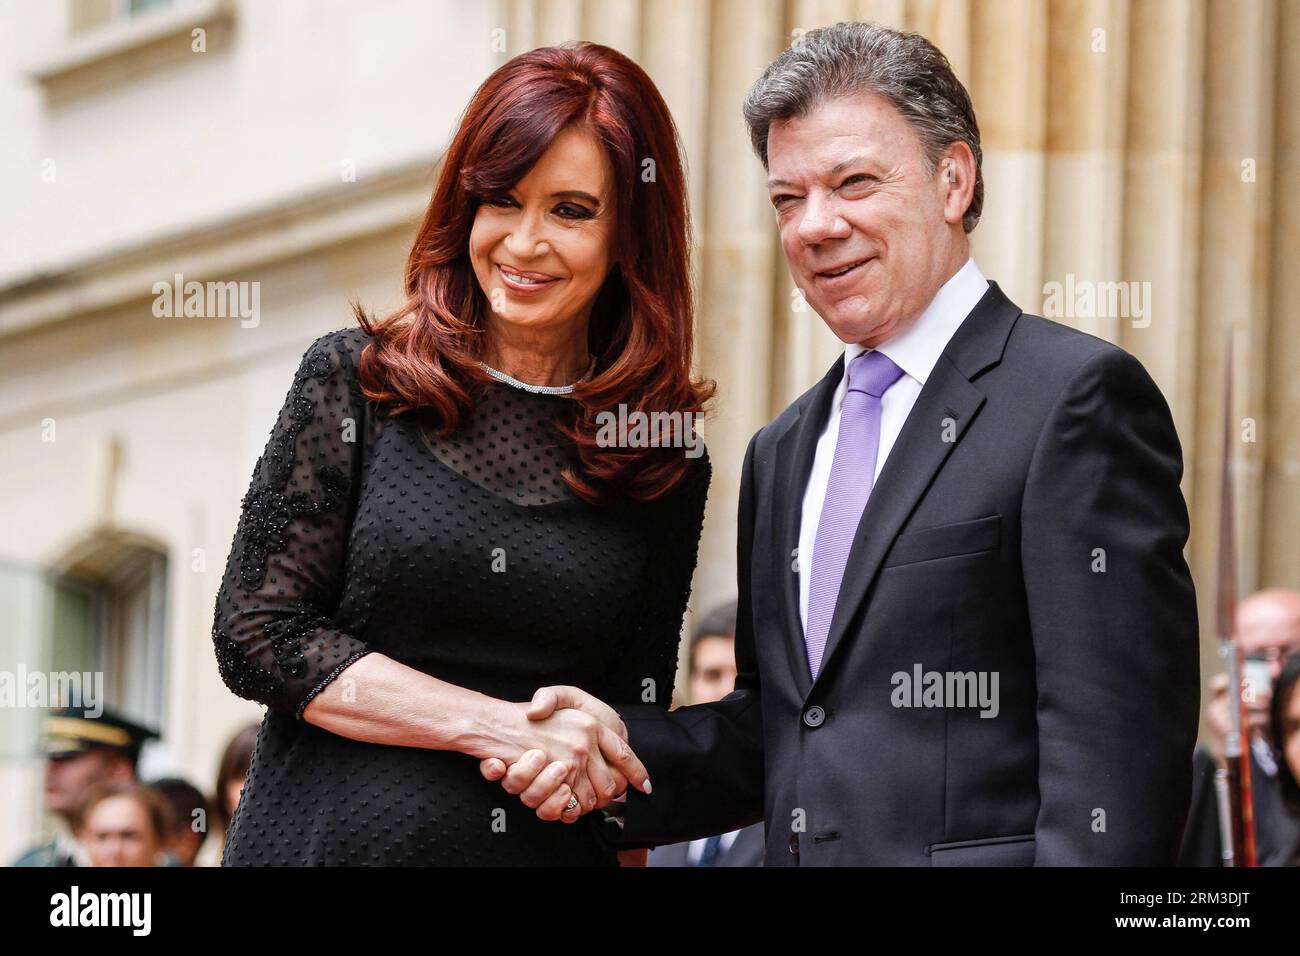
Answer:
(424, 356)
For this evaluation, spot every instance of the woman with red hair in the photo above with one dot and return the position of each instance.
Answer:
(442, 521)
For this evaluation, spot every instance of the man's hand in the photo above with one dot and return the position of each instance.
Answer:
(545, 786)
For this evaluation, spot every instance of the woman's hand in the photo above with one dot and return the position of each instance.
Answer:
(579, 733)
(568, 752)
(542, 785)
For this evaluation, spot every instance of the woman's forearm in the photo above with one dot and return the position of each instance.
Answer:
(379, 700)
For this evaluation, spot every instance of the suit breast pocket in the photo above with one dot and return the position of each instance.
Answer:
(946, 541)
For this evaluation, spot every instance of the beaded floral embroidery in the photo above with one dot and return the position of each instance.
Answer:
(266, 515)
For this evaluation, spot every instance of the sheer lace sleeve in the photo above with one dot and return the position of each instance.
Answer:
(648, 668)
(273, 633)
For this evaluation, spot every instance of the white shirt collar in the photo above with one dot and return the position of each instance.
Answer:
(917, 349)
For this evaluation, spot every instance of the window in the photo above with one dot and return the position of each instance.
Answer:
(88, 14)
(111, 42)
(130, 638)
(105, 613)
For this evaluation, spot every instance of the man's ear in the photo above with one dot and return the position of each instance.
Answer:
(957, 177)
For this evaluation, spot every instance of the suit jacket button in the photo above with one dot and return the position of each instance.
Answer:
(814, 716)
(794, 843)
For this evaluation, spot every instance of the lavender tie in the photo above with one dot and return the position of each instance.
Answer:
(852, 477)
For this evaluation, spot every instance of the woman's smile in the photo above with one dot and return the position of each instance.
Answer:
(525, 283)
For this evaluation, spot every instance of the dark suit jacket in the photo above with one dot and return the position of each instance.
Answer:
(1033, 453)
(746, 850)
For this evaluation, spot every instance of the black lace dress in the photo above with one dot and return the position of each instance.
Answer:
(466, 558)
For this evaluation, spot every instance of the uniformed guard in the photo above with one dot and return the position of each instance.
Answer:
(81, 750)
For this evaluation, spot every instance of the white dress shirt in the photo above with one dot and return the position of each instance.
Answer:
(915, 351)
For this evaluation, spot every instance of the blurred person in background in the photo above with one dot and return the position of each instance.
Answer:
(1284, 726)
(232, 772)
(712, 672)
(1268, 631)
(124, 823)
(190, 820)
(712, 661)
(80, 752)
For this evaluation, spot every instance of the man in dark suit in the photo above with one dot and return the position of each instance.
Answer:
(967, 634)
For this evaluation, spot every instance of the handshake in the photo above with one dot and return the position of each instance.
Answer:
(564, 754)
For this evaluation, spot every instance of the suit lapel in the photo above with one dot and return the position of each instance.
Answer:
(795, 450)
(942, 413)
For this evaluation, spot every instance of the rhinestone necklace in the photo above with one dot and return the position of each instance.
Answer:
(536, 389)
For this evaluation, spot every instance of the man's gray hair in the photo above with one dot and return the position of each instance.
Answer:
(905, 68)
